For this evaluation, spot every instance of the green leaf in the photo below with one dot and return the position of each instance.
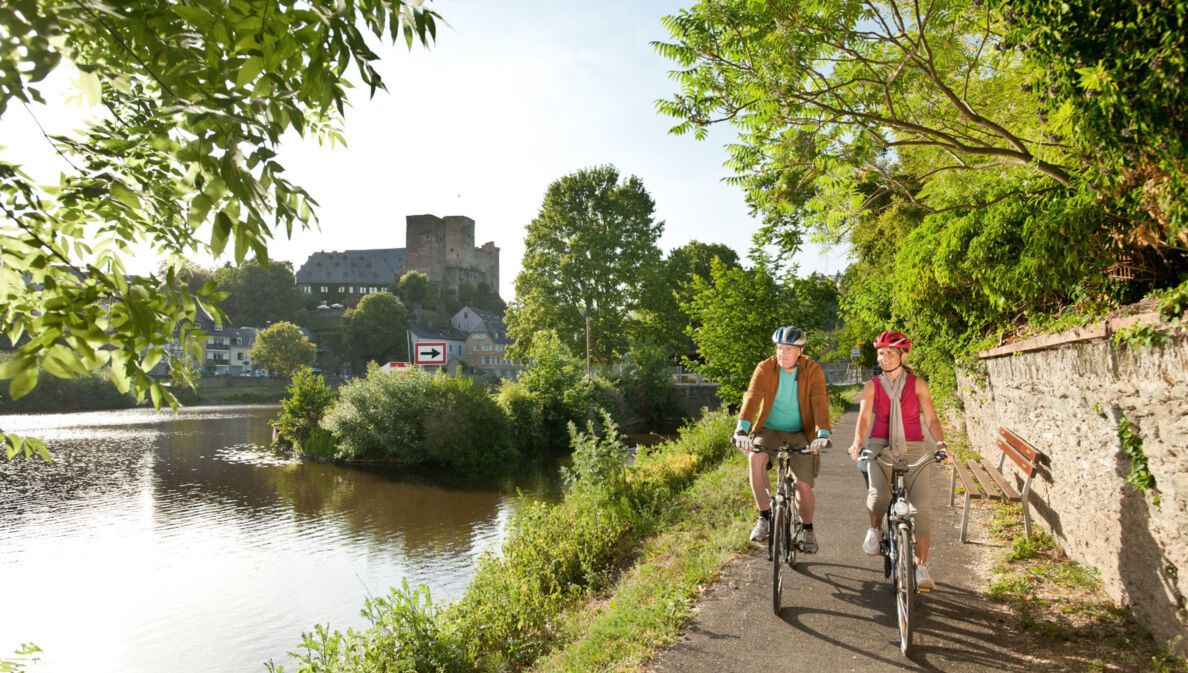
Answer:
(90, 88)
(250, 71)
(61, 361)
(220, 233)
(15, 366)
(125, 196)
(23, 383)
(198, 17)
(151, 358)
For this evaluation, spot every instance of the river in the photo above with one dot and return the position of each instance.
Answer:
(161, 542)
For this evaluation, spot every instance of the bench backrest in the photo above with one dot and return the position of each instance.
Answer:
(1018, 450)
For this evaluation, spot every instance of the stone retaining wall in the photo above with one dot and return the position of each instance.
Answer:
(1067, 394)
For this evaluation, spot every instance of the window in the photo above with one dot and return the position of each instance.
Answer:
(325, 289)
(486, 361)
(306, 289)
(498, 348)
(480, 335)
(474, 349)
(239, 356)
(486, 348)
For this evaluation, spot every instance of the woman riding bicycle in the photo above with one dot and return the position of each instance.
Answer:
(889, 422)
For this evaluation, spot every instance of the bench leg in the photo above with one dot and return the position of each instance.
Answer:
(964, 517)
(952, 486)
(1026, 519)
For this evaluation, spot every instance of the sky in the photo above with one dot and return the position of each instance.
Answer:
(512, 97)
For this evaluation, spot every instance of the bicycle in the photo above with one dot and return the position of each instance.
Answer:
(899, 543)
(786, 536)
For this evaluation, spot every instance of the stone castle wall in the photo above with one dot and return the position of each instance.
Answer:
(1067, 395)
(444, 250)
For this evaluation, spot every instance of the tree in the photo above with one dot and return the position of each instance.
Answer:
(994, 163)
(840, 103)
(257, 296)
(414, 289)
(377, 329)
(661, 321)
(282, 348)
(196, 97)
(738, 310)
(1111, 74)
(557, 380)
(587, 251)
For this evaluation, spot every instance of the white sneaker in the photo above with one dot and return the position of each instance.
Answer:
(871, 544)
(760, 531)
(923, 581)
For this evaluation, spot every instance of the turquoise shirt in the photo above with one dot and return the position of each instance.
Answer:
(785, 410)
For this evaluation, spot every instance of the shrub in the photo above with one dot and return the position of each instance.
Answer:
(302, 410)
(525, 414)
(566, 393)
(94, 391)
(418, 418)
(405, 635)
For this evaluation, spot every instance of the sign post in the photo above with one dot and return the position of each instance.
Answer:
(430, 353)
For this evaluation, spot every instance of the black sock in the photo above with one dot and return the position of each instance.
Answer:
(808, 526)
(765, 514)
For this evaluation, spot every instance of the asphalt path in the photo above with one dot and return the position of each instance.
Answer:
(839, 612)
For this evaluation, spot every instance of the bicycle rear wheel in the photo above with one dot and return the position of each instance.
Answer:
(779, 546)
(905, 586)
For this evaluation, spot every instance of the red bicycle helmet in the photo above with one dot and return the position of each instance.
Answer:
(893, 339)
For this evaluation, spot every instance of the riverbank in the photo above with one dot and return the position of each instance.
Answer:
(597, 582)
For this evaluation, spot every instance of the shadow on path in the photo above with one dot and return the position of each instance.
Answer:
(838, 611)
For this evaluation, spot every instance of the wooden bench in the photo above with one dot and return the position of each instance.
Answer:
(980, 479)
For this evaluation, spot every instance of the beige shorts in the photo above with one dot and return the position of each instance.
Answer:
(806, 467)
(878, 493)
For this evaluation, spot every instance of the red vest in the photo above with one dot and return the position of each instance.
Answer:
(909, 402)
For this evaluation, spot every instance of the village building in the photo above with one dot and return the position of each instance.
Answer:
(486, 343)
(441, 248)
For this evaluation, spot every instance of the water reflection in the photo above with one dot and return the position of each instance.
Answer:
(180, 543)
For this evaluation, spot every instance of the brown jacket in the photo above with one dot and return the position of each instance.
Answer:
(810, 393)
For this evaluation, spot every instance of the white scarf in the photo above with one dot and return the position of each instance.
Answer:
(896, 440)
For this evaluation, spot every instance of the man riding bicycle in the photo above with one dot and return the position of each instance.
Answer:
(786, 403)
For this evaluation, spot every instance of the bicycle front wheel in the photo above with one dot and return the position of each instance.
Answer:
(905, 586)
(779, 546)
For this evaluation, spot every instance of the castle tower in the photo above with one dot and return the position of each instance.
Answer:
(459, 238)
(444, 250)
(425, 246)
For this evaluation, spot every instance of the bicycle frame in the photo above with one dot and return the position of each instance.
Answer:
(898, 543)
(784, 541)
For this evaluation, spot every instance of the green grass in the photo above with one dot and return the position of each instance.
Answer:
(841, 397)
(653, 601)
(1058, 602)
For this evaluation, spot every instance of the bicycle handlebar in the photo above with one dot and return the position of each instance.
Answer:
(806, 449)
(939, 456)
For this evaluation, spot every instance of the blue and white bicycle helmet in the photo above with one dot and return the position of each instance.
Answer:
(792, 336)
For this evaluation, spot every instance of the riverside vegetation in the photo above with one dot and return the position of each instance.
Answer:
(601, 580)
(440, 420)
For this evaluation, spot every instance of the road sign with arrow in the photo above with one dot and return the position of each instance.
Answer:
(430, 353)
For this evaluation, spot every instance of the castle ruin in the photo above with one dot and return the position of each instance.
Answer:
(441, 248)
